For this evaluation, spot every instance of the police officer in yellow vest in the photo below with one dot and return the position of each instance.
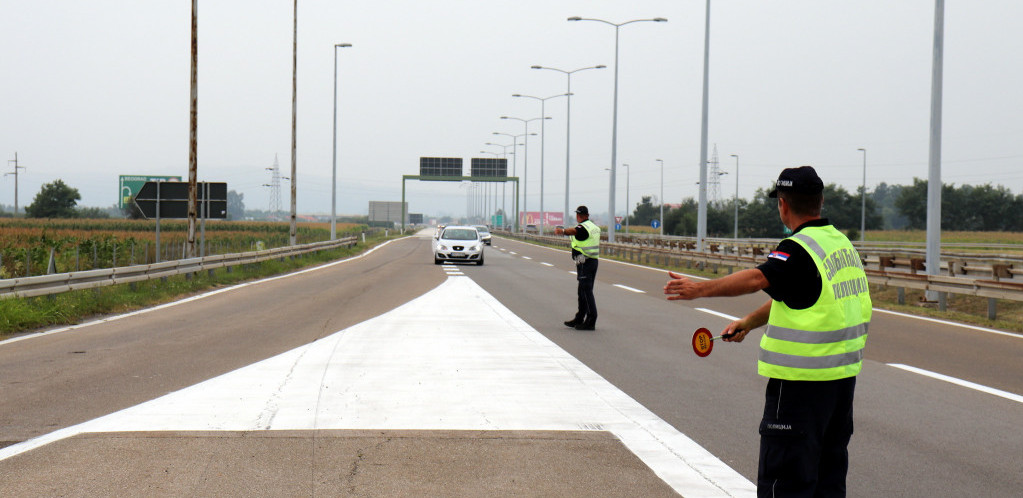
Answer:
(817, 321)
(585, 252)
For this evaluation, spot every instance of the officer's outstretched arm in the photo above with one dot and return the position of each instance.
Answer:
(736, 284)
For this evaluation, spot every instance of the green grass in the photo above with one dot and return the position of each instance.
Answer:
(19, 315)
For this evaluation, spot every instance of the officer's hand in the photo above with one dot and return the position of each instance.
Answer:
(681, 287)
(735, 331)
(559, 231)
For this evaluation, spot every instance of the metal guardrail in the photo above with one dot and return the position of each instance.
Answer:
(891, 271)
(62, 282)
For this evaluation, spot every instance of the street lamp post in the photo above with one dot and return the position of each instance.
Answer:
(736, 156)
(863, 196)
(543, 112)
(628, 207)
(568, 125)
(662, 196)
(333, 177)
(505, 152)
(614, 119)
(525, 160)
(487, 186)
(515, 161)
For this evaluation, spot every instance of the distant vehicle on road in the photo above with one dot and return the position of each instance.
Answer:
(532, 229)
(484, 233)
(458, 243)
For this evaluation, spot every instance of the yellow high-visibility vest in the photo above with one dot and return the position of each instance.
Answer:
(591, 246)
(824, 341)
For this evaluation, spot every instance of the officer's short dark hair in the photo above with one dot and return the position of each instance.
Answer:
(803, 204)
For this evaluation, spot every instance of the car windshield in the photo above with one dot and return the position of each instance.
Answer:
(482, 229)
(459, 234)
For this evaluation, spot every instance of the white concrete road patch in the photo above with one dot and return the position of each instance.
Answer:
(422, 367)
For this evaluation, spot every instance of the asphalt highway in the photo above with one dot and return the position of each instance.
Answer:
(916, 435)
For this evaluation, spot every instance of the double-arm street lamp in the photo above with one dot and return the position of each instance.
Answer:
(515, 142)
(736, 156)
(568, 125)
(333, 178)
(525, 160)
(614, 119)
(628, 207)
(543, 112)
(662, 196)
(863, 196)
(503, 147)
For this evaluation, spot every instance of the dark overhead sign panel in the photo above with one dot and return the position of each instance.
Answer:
(440, 166)
(489, 166)
(173, 198)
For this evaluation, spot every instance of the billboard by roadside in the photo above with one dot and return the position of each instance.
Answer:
(550, 218)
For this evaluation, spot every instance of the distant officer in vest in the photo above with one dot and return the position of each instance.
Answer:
(812, 350)
(585, 252)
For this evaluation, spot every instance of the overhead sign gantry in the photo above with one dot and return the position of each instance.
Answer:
(449, 169)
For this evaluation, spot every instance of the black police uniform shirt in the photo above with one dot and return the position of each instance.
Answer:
(580, 234)
(791, 274)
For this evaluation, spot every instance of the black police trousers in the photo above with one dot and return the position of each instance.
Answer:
(804, 438)
(586, 274)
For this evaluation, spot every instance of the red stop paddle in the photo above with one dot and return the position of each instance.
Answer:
(703, 343)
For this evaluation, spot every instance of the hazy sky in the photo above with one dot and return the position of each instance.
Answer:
(93, 90)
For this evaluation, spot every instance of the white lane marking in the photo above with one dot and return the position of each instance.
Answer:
(626, 287)
(660, 270)
(546, 264)
(959, 382)
(526, 257)
(573, 272)
(718, 313)
(421, 367)
(193, 298)
(511, 252)
(934, 320)
(944, 322)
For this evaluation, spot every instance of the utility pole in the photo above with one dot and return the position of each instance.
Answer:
(15, 173)
(294, 117)
(193, 148)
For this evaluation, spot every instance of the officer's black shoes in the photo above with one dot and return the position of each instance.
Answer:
(572, 323)
(586, 326)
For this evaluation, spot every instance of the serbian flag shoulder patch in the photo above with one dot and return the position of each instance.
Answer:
(779, 255)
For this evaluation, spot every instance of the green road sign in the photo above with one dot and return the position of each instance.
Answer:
(131, 184)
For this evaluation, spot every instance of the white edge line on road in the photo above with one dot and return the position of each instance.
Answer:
(626, 287)
(935, 320)
(193, 298)
(959, 382)
(526, 257)
(944, 322)
(717, 313)
(546, 264)
(661, 270)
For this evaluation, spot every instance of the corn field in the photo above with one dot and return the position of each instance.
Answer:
(80, 244)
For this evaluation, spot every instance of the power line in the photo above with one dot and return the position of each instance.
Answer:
(15, 173)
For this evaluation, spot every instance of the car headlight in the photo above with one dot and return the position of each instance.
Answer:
(443, 247)
(473, 248)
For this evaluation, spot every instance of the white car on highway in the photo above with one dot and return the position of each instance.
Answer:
(458, 243)
(484, 233)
